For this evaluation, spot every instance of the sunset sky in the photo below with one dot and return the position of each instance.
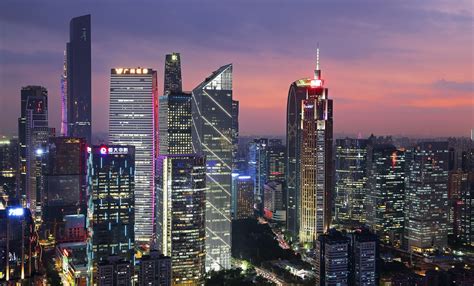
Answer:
(392, 67)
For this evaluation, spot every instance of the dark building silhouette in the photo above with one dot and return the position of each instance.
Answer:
(173, 81)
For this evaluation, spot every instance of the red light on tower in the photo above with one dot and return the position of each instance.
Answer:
(103, 150)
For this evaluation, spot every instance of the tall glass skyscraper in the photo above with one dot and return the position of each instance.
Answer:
(181, 204)
(78, 90)
(426, 202)
(212, 137)
(351, 179)
(258, 166)
(315, 160)
(133, 121)
(173, 81)
(111, 184)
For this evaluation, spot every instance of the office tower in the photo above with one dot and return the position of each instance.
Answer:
(212, 137)
(133, 121)
(175, 120)
(155, 270)
(245, 197)
(426, 202)
(332, 259)
(276, 160)
(181, 222)
(465, 209)
(19, 246)
(110, 174)
(66, 182)
(173, 81)
(78, 79)
(8, 163)
(351, 179)
(273, 202)
(458, 185)
(386, 191)
(258, 165)
(64, 102)
(315, 159)
(363, 256)
(71, 260)
(114, 271)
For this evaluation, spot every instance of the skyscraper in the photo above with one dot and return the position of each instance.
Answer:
(245, 197)
(426, 202)
(363, 256)
(351, 179)
(235, 133)
(133, 121)
(212, 137)
(175, 119)
(181, 205)
(332, 259)
(173, 81)
(315, 159)
(258, 165)
(110, 174)
(155, 270)
(273, 202)
(386, 191)
(78, 79)
(276, 161)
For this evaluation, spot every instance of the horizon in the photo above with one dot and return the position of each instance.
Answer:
(365, 52)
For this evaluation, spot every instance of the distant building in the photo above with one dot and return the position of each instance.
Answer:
(181, 204)
(154, 270)
(276, 160)
(235, 134)
(212, 137)
(386, 191)
(426, 202)
(8, 162)
(351, 179)
(111, 180)
(173, 80)
(245, 198)
(133, 120)
(78, 80)
(364, 255)
(258, 165)
(114, 271)
(332, 259)
(273, 202)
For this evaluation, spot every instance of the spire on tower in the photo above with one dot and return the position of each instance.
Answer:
(317, 58)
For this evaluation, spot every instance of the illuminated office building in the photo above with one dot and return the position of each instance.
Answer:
(363, 255)
(212, 137)
(175, 119)
(386, 191)
(245, 197)
(154, 270)
(181, 222)
(258, 165)
(173, 81)
(332, 259)
(276, 161)
(315, 159)
(8, 162)
(114, 271)
(351, 179)
(273, 202)
(426, 202)
(110, 174)
(133, 120)
(235, 133)
(77, 80)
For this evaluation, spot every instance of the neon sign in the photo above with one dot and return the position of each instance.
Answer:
(131, 71)
(104, 150)
(16, 212)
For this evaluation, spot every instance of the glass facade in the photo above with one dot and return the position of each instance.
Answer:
(133, 121)
(258, 165)
(173, 81)
(212, 137)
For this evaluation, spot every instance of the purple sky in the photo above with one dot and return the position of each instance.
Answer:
(398, 67)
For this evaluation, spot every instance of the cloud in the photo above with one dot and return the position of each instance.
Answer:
(443, 84)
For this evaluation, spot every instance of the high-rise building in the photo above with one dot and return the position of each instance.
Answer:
(175, 119)
(133, 120)
(351, 179)
(245, 197)
(315, 159)
(235, 133)
(181, 222)
(66, 182)
(114, 271)
(276, 160)
(110, 174)
(154, 270)
(273, 202)
(332, 259)
(212, 137)
(77, 79)
(8, 162)
(465, 210)
(426, 200)
(258, 165)
(363, 256)
(386, 191)
(173, 81)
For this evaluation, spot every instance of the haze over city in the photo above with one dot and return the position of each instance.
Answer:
(393, 68)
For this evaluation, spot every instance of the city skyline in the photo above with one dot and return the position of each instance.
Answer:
(379, 83)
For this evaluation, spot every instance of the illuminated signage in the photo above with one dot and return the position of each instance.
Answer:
(104, 150)
(16, 212)
(316, 83)
(131, 71)
(309, 106)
